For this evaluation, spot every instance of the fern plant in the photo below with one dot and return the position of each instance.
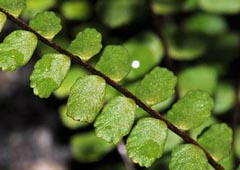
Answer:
(118, 115)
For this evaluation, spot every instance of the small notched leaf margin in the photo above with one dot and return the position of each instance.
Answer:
(188, 157)
(86, 44)
(86, 98)
(114, 62)
(116, 119)
(220, 136)
(146, 141)
(14, 7)
(46, 23)
(191, 110)
(48, 74)
(16, 49)
(118, 87)
(156, 86)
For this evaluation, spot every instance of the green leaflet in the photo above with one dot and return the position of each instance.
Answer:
(202, 77)
(14, 7)
(188, 157)
(191, 110)
(36, 6)
(156, 86)
(217, 140)
(208, 24)
(86, 98)
(48, 74)
(224, 98)
(87, 147)
(145, 51)
(117, 13)
(46, 23)
(3, 19)
(76, 10)
(68, 121)
(17, 49)
(146, 141)
(116, 119)
(220, 6)
(73, 74)
(87, 44)
(114, 62)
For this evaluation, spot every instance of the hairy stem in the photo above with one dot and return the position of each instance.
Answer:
(118, 87)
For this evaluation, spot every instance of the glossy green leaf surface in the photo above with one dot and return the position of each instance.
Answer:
(87, 44)
(76, 10)
(202, 77)
(146, 141)
(48, 74)
(220, 6)
(46, 23)
(114, 62)
(208, 24)
(117, 13)
(17, 49)
(3, 19)
(86, 98)
(145, 51)
(191, 110)
(87, 147)
(14, 7)
(116, 119)
(68, 121)
(217, 140)
(224, 98)
(188, 157)
(156, 86)
(73, 74)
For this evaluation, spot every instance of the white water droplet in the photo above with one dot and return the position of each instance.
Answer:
(135, 64)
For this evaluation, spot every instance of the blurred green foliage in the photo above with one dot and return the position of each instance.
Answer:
(202, 40)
